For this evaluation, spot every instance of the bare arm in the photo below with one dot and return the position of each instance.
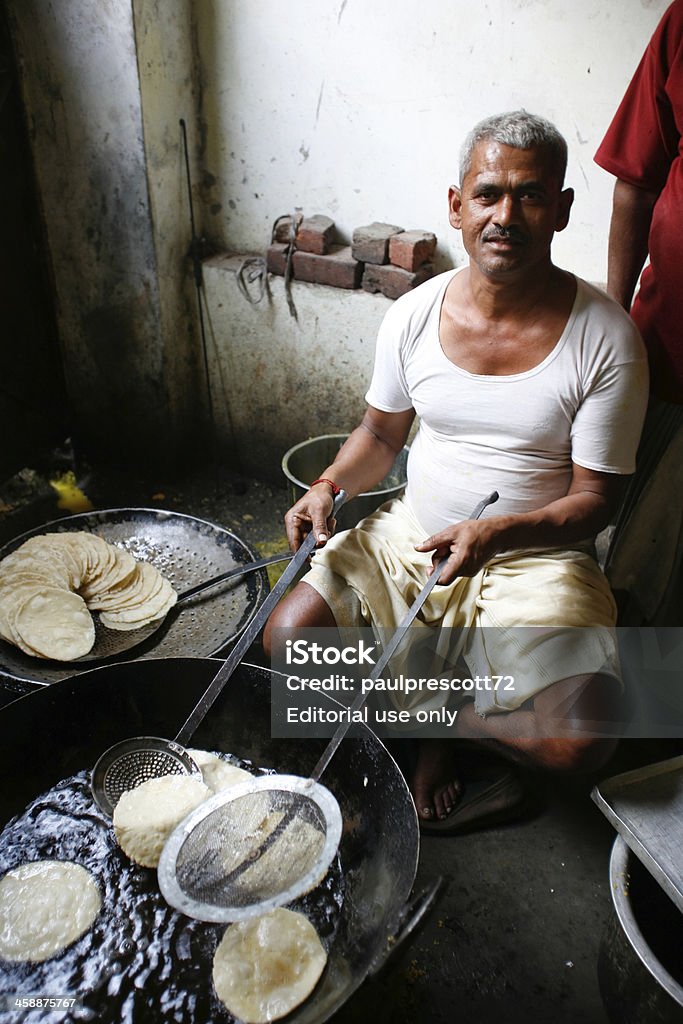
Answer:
(628, 237)
(581, 513)
(365, 458)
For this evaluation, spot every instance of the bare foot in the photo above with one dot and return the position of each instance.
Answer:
(435, 786)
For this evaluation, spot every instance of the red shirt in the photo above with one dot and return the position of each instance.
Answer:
(643, 147)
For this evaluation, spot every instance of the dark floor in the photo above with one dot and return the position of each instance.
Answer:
(516, 932)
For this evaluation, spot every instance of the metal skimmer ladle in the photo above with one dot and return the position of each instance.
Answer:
(261, 844)
(129, 763)
(111, 642)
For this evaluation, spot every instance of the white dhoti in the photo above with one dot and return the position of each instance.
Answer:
(371, 574)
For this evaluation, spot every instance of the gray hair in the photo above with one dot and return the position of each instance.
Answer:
(520, 130)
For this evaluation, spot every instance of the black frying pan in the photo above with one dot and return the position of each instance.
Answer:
(61, 729)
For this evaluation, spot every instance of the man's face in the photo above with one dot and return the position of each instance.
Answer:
(508, 208)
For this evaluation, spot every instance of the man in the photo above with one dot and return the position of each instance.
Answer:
(527, 381)
(642, 149)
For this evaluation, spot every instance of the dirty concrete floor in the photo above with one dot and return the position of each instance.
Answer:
(516, 931)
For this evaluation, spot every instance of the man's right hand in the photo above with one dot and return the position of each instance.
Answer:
(312, 512)
(364, 459)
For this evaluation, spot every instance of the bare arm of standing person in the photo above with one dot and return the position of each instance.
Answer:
(628, 239)
(363, 460)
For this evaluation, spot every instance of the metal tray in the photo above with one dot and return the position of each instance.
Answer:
(185, 549)
(646, 808)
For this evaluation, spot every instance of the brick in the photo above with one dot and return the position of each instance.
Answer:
(394, 281)
(370, 244)
(276, 258)
(315, 234)
(338, 269)
(411, 249)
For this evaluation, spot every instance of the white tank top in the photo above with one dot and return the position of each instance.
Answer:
(516, 434)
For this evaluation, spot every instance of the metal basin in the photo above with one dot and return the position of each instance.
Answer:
(640, 966)
(188, 551)
(304, 463)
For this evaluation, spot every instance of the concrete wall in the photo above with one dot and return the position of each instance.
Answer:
(357, 108)
(111, 183)
(32, 396)
(277, 381)
(350, 108)
(165, 42)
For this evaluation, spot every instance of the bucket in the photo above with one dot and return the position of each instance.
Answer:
(640, 966)
(304, 463)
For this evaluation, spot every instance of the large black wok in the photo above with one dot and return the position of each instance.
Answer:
(55, 732)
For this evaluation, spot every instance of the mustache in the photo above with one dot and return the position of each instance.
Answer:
(512, 234)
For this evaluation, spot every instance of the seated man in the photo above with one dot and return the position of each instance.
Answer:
(528, 381)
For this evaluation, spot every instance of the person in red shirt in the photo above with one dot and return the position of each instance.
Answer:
(643, 149)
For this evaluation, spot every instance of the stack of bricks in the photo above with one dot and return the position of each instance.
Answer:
(395, 260)
(382, 258)
(316, 257)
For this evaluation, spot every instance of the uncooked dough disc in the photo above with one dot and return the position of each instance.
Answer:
(217, 773)
(145, 816)
(266, 966)
(55, 623)
(45, 905)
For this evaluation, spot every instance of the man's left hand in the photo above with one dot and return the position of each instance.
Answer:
(467, 546)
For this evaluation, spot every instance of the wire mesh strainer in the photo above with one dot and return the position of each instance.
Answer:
(271, 841)
(261, 844)
(140, 758)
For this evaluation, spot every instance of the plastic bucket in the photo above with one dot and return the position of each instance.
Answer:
(304, 463)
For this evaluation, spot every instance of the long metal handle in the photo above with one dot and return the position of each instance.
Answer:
(240, 570)
(390, 649)
(250, 633)
(410, 917)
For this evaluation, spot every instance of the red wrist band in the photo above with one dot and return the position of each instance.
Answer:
(323, 480)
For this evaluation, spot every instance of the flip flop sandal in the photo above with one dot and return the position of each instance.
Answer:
(485, 801)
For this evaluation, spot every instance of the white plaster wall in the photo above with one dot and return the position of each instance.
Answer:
(277, 381)
(357, 108)
(353, 108)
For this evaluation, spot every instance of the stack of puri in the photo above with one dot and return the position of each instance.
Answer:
(51, 583)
